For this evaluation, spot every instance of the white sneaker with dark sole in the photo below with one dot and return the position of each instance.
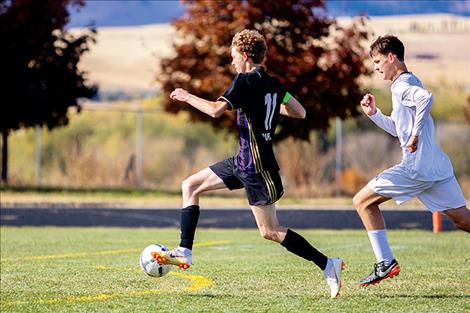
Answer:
(380, 272)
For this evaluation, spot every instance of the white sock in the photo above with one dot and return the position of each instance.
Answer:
(382, 251)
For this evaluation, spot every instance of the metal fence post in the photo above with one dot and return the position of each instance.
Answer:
(138, 148)
(37, 155)
(338, 158)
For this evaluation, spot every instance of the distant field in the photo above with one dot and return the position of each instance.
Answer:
(436, 53)
(97, 149)
(96, 270)
(132, 198)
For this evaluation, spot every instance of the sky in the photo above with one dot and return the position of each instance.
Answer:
(142, 12)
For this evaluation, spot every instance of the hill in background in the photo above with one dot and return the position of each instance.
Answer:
(125, 60)
(132, 12)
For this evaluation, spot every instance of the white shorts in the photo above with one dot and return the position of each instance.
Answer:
(438, 195)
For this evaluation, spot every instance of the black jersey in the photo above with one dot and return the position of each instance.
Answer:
(257, 97)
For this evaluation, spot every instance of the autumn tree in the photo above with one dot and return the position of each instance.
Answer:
(317, 60)
(40, 80)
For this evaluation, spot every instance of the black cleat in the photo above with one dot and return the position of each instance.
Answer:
(381, 272)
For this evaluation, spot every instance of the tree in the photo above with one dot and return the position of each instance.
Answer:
(39, 78)
(320, 68)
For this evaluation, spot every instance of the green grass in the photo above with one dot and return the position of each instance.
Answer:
(50, 269)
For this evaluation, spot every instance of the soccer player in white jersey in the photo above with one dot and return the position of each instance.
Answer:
(424, 172)
(258, 100)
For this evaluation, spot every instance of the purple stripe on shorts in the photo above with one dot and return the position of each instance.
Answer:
(245, 157)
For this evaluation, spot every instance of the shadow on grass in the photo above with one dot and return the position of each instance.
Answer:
(207, 295)
(436, 296)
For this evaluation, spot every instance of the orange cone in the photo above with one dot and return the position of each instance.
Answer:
(436, 222)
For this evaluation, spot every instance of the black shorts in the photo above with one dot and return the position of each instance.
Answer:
(261, 188)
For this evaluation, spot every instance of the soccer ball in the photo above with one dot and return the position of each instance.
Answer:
(149, 265)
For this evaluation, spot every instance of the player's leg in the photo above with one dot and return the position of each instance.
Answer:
(269, 228)
(192, 187)
(267, 222)
(460, 217)
(447, 196)
(265, 188)
(366, 202)
(268, 225)
(203, 181)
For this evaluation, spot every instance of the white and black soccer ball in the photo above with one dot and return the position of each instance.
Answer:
(149, 265)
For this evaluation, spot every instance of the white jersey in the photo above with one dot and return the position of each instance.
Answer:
(411, 116)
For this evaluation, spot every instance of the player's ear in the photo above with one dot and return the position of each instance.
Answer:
(391, 57)
(245, 56)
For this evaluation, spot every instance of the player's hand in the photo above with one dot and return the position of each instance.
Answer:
(180, 94)
(368, 104)
(412, 144)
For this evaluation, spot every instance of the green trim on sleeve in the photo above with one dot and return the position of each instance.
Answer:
(286, 97)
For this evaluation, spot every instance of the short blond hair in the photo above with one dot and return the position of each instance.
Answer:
(252, 43)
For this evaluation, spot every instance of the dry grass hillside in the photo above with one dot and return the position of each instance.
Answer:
(436, 46)
(126, 59)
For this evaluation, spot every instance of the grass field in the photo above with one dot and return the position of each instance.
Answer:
(51, 269)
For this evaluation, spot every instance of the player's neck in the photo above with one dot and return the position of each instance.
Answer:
(401, 68)
(250, 67)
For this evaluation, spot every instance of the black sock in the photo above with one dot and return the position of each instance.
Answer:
(298, 245)
(189, 218)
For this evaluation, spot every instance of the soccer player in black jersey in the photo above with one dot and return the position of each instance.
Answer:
(258, 100)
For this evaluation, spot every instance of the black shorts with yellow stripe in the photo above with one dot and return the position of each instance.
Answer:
(261, 188)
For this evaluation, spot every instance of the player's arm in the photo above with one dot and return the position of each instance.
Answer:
(422, 100)
(211, 108)
(373, 112)
(292, 108)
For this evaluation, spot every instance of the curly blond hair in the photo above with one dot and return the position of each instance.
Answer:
(252, 43)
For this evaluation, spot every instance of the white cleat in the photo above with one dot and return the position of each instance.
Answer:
(181, 257)
(332, 274)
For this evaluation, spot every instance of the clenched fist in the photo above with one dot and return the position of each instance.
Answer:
(368, 104)
(180, 94)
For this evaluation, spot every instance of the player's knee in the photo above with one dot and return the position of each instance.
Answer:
(358, 202)
(188, 187)
(269, 234)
